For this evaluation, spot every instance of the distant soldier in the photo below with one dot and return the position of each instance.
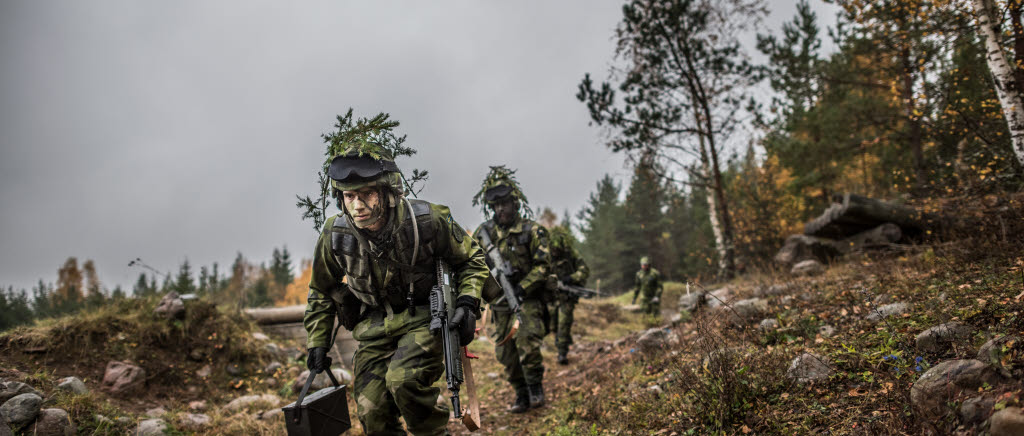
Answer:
(568, 267)
(648, 284)
(385, 247)
(523, 244)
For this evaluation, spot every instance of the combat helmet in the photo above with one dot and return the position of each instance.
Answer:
(365, 164)
(500, 184)
(560, 239)
(645, 261)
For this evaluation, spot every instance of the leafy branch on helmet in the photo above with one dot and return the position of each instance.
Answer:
(502, 176)
(374, 137)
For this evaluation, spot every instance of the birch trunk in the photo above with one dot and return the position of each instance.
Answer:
(1007, 87)
(716, 224)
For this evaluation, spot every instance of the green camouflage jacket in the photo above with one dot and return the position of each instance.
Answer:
(568, 265)
(525, 246)
(648, 283)
(377, 277)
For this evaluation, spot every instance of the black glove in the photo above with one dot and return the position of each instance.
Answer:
(317, 360)
(466, 310)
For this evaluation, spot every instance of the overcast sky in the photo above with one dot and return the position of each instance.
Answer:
(174, 130)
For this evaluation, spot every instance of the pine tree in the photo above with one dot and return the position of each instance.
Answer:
(602, 223)
(645, 227)
(183, 282)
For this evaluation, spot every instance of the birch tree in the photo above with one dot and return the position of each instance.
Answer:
(1007, 88)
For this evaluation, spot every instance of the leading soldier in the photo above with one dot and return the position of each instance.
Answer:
(648, 285)
(523, 243)
(385, 247)
(568, 267)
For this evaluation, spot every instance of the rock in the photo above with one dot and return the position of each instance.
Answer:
(748, 310)
(103, 420)
(718, 297)
(22, 409)
(722, 358)
(273, 349)
(676, 318)
(293, 371)
(656, 389)
(73, 385)
(1007, 422)
(809, 367)
(151, 427)
(53, 422)
(691, 302)
(883, 312)
(322, 381)
(194, 421)
(976, 410)
(808, 268)
(5, 430)
(770, 291)
(248, 401)
(197, 406)
(826, 331)
(277, 414)
(233, 369)
(171, 306)
(943, 383)
(197, 355)
(492, 375)
(787, 300)
(941, 338)
(124, 420)
(633, 308)
(271, 382)
(881, 299)
(260, 336)
(156, 412)
(768, 324)
(656, 339)
(12, 389)
(123, 378)
(994, 352)
(803, 247)
(205, 371)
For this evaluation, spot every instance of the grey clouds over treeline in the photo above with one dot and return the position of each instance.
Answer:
(174, 130)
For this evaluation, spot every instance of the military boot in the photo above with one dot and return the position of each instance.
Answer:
(522, 402)
(536, 395)
(562, 358)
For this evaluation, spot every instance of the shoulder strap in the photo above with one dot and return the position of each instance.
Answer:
(420, 207)
(527, 235)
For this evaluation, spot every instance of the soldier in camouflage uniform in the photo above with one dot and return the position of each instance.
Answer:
(385, 247)
(567, 266)
(648, 284)
(524, 244)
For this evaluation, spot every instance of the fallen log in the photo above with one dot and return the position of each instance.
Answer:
(276, 315)
(852, 214)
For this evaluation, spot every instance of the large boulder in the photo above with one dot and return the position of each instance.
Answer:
(12, 389)
(883, 312)
(171, 306)
(942, 337)
(809, 367)
(194, 421)
(22, 410)
(719, 297)
(941, 385)
(151, 427)
(53, 422)
(242, 403)
(691, 302)
(749, 310)
(73, 385)
(976, 410)
(5, 430)
(123, 378)
(807, 268)
(1005, 353)
(656, 339)
(1007, 422)
(770, 291)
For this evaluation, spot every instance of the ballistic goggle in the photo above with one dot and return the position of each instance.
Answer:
(496, 193)
(359, 167)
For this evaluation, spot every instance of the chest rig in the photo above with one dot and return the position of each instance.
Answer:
(386, 275)
(514, 247)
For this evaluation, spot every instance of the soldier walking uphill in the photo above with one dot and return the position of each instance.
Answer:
(386, 246)
(568, 267)
(648, 286)
(523, 246)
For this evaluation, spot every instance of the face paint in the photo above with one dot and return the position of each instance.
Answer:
(366, 208)
(505, 211)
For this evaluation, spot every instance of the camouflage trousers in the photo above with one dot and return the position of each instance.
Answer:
(561, 320)
(521, 354)
(649, 305)
(396, 365)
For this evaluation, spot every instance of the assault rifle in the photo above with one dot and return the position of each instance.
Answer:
(457, 368)
(502, 270)
(577, 291)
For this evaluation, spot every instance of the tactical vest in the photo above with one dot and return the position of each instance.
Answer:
(515, 251)
(354, 254)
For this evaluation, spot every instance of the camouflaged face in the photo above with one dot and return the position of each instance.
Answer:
(502, 176)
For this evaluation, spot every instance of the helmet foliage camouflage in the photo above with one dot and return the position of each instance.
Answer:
(560, 238)
(499, 184)
(645, 261)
